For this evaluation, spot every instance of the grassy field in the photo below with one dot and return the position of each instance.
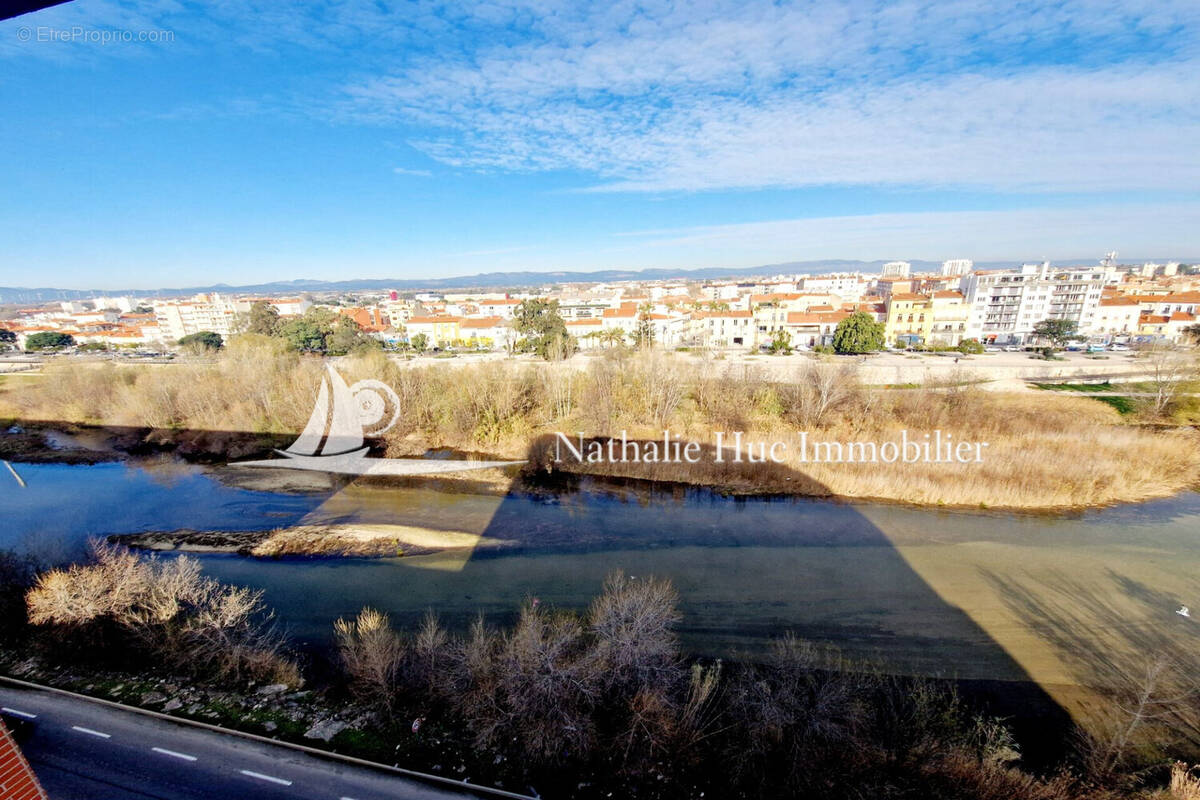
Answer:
(1044, 450)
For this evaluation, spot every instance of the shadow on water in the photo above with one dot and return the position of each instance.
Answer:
(747, 569)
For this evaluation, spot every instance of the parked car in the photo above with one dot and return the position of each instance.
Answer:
(1118, 348)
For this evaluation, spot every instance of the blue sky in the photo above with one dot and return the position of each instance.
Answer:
(276, 140)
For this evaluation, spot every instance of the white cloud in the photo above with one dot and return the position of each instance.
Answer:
(1159, 231)
(1070, 96)
(422, 173)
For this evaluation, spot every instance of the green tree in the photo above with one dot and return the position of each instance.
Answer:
(1191, 332)
(303, 334)
(8, 339)
(643, 334)
(970, 347)
(420, 342)
(858, 333)
(262, 318)
(48, 340)
(543, 328)
(781, 342)
(347, 336)
(1058, 331)
(310, 333)
(612, 336)
(204, 340)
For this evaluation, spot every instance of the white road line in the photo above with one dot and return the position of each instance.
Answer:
(14, 712)
(262, 777)
(173, 754)
(91, 732)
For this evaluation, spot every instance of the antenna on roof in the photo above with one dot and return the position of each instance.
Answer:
(1110, 259)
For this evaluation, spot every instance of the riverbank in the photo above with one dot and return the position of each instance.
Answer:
(1044, 452)
(585, 705)
(1021, 470)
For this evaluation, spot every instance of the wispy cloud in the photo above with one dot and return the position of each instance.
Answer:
(664, 96)
(423, 173)
(1078, 95)
(1154, 230)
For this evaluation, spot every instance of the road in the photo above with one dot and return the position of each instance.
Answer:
(84, 751)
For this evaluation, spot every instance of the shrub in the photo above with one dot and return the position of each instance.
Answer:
(164, 609)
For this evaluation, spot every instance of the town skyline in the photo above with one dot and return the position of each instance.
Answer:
(530, 278)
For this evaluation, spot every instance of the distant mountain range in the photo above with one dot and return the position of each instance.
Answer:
(488, 280)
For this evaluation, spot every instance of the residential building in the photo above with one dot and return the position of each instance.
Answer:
(486, 332)
(1007, 304)
(440, 331)
(723, 329)
(957, 267)
(1116, 317)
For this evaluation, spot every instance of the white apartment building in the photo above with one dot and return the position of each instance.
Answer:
(1116, 316)
(957, 266)
(899, 269)
(503, 307)
(179, 318)
(581, 308)
(723, 329)
(850, 286)
(1006, 304)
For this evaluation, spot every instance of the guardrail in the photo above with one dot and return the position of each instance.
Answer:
(424, 777)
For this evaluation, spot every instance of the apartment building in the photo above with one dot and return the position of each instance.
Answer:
(723, 329)
(897, 269)
(849, 286)
(809, 329)
(1116, 317)
(1007, 304)
(486, 332)
(439, 331)
(216, 313)
(179, 318)
(957, 267)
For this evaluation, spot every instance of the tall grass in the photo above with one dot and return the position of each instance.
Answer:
(1043, 450)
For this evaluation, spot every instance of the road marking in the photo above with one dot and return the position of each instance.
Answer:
(262, 777)
(91, 732)
(14, 712)
(173, 754)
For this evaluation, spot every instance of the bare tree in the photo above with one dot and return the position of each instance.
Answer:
(1170, 369)
(371, 653)
(816, 392)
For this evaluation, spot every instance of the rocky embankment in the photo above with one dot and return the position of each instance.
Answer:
(266, 709)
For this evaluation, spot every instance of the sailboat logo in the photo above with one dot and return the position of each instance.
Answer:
(342, 419)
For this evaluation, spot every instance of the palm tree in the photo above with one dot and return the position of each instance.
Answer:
(612, 336)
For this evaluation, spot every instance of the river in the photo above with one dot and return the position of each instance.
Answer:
(1062, 599)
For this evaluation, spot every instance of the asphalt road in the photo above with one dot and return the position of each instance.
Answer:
(83, 751)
